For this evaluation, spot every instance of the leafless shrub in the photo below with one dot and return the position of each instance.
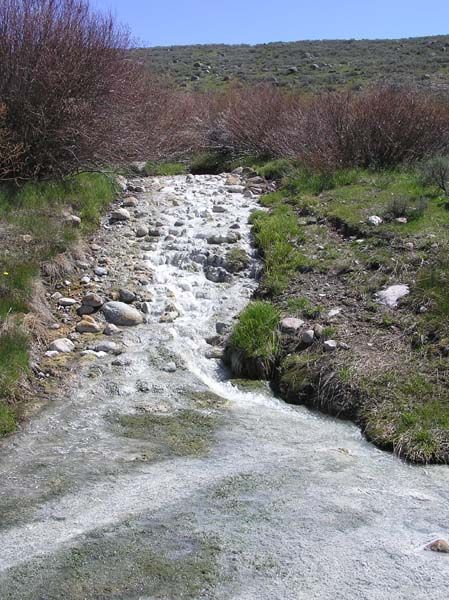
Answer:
(69, 95)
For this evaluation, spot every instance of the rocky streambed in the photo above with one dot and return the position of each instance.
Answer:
(156, 477)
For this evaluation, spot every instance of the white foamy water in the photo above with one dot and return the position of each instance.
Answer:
(288, 503)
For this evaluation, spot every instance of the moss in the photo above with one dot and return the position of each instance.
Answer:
(237, 260)
(143, 558)
(183, 433)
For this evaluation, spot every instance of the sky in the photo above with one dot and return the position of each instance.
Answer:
(177, 22)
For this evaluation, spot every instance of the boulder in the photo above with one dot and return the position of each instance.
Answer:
(121, 314)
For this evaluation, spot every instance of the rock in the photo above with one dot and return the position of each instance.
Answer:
(334, 312)
(27, 238)
(170, 367)
(221, 328)
(66, 302)
(51, 353)
(88, 326)
(126, 296)
(439, 545)
(307, 337)
(142, 231)
(108, 347)
(318, 330)
(291, 325)
(391, 295)
(121, 182)
(330, 345)
(130, 202)
(218, 208)
(93, 300)
(146, 308)
(85, 310)
(110, 329)
(235, 189)
(119, 313)
(375, 220)
(73, 220)
(402, 220)
(171, 313)
(85, 280)
(217, 275)
(62, 345)
(120, 214)
(56, 296)
(100, 271)
(214, 353)
(232, 180)
(179, 223)
(93, 353)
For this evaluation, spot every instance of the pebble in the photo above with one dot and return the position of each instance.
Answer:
(62, 345)
(130, 202)
(85, 280)
(119, 313)
(66, 302)
(170, 367)
(93, 300)
(291, 325)
(126, 295)
(73, 220)
(88, 326)
(108, 347)
(111, 329)
(307, 337)
(439, 545)
(100, 271)
(330, 345)
(120, 214)
(375, 220)
(392, 294)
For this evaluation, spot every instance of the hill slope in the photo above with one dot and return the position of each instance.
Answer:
(327, 64)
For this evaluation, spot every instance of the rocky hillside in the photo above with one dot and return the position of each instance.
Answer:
(312, 65)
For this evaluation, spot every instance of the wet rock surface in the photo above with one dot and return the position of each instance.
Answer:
(155, 477)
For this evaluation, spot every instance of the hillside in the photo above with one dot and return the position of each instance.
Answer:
(328, 64)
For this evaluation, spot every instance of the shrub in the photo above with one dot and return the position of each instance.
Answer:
(69, 97)
(435, 172)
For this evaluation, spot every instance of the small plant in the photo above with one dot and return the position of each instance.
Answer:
(435, 172)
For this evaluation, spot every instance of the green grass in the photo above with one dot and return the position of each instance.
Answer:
(32, 231)
(278, 234)
(255, 334)
(409, 413)
(165, 169)
(13, 364)
(275, 169)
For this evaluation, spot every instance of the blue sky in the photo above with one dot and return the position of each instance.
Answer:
(167, 22)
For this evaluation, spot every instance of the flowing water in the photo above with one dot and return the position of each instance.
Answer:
(148, 482)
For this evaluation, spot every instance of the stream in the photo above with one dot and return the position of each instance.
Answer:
(155, 477)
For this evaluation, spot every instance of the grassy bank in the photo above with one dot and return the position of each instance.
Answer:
(325, 263)
(35, 228)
